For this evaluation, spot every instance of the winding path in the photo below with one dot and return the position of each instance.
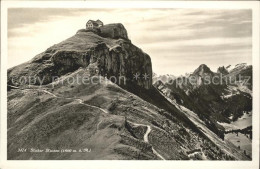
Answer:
(146, 138)
(99, 124)
(80, 101)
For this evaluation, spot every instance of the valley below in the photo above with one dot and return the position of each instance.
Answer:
(239, 138)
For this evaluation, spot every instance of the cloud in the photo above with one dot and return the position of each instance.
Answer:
(201, 42)
(174, 38)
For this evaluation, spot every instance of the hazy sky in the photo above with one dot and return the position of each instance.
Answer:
(177, 40)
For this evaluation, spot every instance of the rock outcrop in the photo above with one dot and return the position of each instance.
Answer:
(222, 70)
(213, 99)
(202, 69)
(108, 48)
(114, 31)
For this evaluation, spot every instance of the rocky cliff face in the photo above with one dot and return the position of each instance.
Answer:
(109, 49)
(222, 102)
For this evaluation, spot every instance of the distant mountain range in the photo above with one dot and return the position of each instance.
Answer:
(214, 97)
(110, 117)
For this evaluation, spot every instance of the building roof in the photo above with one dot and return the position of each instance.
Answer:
(95, 23)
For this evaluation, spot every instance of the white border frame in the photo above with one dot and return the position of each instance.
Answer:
(118, 164)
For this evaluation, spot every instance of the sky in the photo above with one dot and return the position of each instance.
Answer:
(177, 40)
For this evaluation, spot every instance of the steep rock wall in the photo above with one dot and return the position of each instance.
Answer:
(115, 58)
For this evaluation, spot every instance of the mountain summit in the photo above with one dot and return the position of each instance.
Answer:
(202, 69)
(106, 48)
(118, 116)
(218, 105)
(222, 70)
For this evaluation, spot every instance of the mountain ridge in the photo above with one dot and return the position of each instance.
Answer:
(216, 104)
(113, 56)
(104, 119)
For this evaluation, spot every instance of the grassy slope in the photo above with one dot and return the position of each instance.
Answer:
(39, 120)
(81, 42)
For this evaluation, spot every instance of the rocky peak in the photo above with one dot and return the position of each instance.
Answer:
(239, 67)
(164, 78)
(202, 69)
(222, 70)
(158, 83)
(108, 47)
(114, 31)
